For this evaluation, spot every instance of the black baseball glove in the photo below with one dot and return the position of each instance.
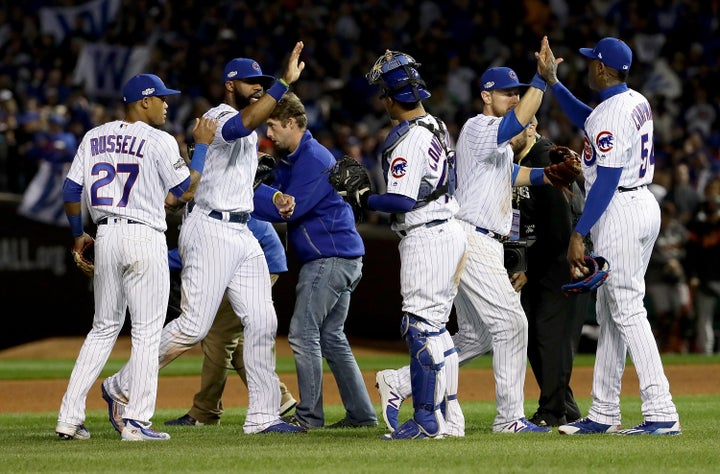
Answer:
(352, 182)
(265, 171)
(599, 271)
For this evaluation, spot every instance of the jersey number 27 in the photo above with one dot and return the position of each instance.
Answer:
(110, 173)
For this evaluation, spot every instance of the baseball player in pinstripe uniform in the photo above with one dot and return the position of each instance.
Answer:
(220, 253)
(488, 308)
(124, 170)
(623, 219)
(223, 345)
(420, 187)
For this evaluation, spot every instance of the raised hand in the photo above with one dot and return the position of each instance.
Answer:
(547, 63)
(294, 66)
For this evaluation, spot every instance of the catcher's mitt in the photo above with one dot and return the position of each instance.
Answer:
(265, 171)
(599, 271)
(85, 258)
(566, 166)
(352, 182)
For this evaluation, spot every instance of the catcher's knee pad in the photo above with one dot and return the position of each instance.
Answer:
(424, 368)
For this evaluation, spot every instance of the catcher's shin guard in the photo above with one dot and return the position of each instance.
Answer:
(427, 388)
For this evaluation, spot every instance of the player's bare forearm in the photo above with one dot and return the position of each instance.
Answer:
(576, 255)
(194, 181)
(528, 105)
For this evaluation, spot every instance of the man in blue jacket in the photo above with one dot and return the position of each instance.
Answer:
(323, 235)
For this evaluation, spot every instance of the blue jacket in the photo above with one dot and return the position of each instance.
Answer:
(322, 224)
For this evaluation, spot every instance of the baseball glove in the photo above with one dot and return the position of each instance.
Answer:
(84, 259)
(352, 182)
(599, 271)
(265, 171)
(565, 167)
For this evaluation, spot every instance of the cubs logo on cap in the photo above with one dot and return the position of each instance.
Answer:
(499, 78)
(247, 70)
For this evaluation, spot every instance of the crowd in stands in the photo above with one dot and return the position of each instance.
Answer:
(44, 112)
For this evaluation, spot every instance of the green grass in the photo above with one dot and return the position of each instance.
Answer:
(28, 443)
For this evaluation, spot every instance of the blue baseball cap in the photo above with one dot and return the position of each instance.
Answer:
(499, 78)
(612, 52)
(247, 70)
(145, 85)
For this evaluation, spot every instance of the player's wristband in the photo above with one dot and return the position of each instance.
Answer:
(278, 89)
(277, 193)
(537, 176)
(538, 82)
(76, 225)
(198, 159)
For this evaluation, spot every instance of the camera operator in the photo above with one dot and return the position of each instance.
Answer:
(546, 218)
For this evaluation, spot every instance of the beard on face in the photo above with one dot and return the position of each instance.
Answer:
(241, 101)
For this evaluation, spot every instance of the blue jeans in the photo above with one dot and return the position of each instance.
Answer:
(317, 331)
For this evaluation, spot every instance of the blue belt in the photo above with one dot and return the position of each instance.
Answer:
(113, 220)
(624, 190)
(427, 224)
(493, 235)
(237, 217)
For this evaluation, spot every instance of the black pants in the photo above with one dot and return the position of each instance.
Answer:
(555, 325)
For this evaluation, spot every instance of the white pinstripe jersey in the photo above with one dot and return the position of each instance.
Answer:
(419, 157)
(227, 180)
(126, 169)
(484, 168)
(619, 134)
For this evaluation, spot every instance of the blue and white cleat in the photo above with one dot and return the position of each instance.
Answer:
(390, 399)
(521, 425)
(587, 426)
(654, 428)
(115, 410)
(137, 431)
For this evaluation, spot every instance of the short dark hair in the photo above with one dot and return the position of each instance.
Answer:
(289, 106)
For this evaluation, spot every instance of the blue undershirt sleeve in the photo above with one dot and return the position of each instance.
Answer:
(390, 202)
(575, 109)
(509, 127)
(598, 198)
(72, 191)
(234, 129)
(180, 189)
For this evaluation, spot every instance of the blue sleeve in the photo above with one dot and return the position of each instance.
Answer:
(391, 202)
(72, 191)
(174, 260)
(181, 188)
(575, 109)
(598, 198)
(516, 170)
(271, 245)
(235, 128)
(509, 127)
(264, 207)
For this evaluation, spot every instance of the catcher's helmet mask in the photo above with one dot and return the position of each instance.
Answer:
(396, 74)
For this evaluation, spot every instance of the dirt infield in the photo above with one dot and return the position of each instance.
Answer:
(177, 392)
